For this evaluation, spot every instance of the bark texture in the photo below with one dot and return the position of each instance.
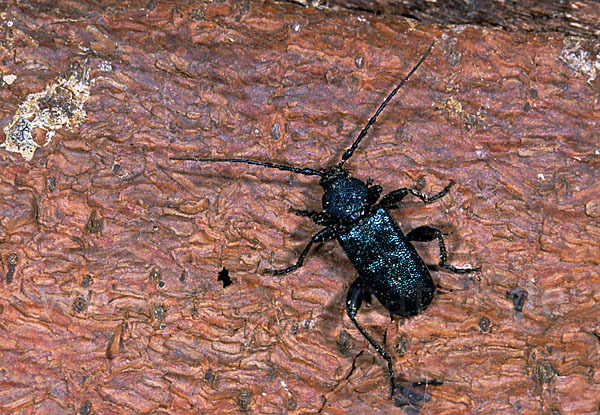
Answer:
(576, 18)
(111, 300)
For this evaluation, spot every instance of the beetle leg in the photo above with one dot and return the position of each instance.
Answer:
(320, 218)
(373, 194)
(391, 200)
(353, 303)
(427, 234)
(321, 236)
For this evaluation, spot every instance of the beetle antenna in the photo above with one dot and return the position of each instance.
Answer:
(348, 153)
(305, 171)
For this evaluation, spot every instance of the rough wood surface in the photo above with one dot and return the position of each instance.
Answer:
(575, 18)
(110, 300)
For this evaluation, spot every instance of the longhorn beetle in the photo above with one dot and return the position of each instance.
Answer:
(388, 265)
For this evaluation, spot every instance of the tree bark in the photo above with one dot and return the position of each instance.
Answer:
(575, 18)
(113, 300)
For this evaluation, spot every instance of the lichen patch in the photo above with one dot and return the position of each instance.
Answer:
(585, 62)
(60, 104)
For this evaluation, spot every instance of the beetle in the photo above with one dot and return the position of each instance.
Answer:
(387, 263)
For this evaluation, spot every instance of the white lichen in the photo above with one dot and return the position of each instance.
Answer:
(9, 79)
(580, 60)
(60, 104)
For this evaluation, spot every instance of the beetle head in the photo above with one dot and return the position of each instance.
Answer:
(345, 197)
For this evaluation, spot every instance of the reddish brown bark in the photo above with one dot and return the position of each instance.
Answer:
(110, 301)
